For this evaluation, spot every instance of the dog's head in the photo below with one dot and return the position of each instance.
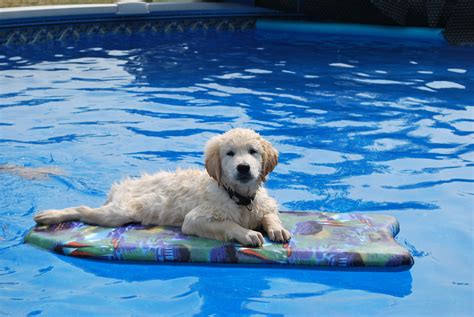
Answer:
(240, 159)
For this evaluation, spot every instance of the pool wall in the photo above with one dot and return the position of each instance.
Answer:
(19, 26)
(386, 32)
(30, 25)
(455, 17)
(74, 31)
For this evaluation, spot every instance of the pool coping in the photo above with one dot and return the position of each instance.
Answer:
(129, 10)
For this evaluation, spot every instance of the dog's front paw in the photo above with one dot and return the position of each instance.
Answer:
(279, 234)
(251, 239)
(49, 217)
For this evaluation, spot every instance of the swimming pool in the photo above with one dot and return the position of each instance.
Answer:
(362, 124)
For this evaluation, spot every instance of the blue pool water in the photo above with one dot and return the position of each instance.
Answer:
(361, 124)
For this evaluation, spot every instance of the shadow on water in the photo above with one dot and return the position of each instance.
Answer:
(246, 283)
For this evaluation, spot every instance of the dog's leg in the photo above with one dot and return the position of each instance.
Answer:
(271, 223)
(49, 217)
(108, 215)
(195, 223)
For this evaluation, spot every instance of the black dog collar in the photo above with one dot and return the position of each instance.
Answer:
(239, 199)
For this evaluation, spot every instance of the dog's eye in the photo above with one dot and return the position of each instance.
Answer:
(252, 151)
(231, 153)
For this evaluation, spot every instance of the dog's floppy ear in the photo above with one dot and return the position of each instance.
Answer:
(213, 159)
(270, 159)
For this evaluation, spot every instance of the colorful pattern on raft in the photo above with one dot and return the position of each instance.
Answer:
(319, 239)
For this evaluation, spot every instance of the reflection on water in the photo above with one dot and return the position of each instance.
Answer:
(30, 173)
(250, 287)
(360, 125)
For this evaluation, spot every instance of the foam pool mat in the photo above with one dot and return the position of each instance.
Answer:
(318, 239)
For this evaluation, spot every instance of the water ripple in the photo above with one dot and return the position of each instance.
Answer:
(361, 125)
(170, 133)
(54, 140)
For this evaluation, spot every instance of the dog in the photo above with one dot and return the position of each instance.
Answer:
(227, 203)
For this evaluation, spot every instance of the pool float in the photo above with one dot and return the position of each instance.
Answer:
(318, 239)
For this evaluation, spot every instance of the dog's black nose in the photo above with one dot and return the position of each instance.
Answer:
(243, 168)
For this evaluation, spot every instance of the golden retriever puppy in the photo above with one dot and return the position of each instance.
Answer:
(226, 203)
